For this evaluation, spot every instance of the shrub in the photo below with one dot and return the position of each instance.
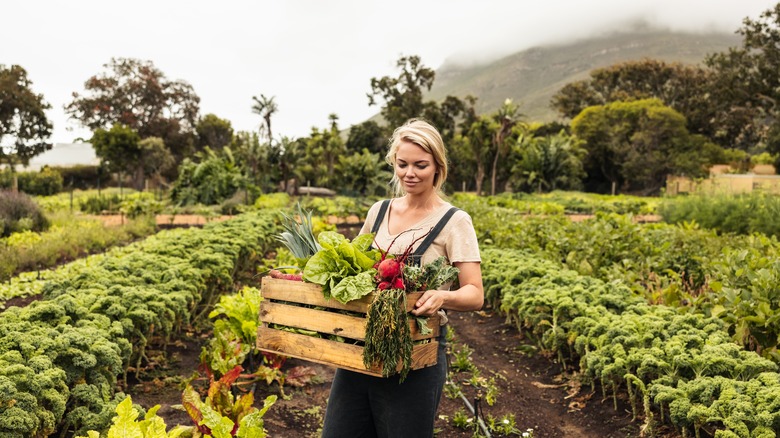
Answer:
(44, 183)
(101, 204)
(18, 212)
(83, 177)
(47, 182)
(273, 200)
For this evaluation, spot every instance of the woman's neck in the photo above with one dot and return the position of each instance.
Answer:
(423, 202)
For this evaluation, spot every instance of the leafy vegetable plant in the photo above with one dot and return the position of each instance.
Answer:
(344, 269)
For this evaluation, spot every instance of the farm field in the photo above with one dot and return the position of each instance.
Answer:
(574, 311)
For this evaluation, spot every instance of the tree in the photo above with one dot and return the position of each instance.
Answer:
(155, 158)
(746, 87)
(118, 149)
(472, 150)
(506, 118)
(551, 162)
(209, 179)
(362, 174)
(402, 95)
(213, 132)
(24, 128)
(265, 107)
(444, 116)
(322, 149)
(136, 94)
(682, 87)
(367, 135)
(633, 146)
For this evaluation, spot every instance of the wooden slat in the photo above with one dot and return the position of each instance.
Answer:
(327, 352)
(309, 293)
(332, 323)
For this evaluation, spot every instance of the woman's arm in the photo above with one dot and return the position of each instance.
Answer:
(470, 295)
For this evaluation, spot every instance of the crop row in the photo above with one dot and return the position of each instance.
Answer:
(60, 357)
(730, 276)
(676, 366)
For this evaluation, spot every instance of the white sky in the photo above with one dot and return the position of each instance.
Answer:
(315, 56)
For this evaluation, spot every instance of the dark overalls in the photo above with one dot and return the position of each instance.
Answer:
(362, 406)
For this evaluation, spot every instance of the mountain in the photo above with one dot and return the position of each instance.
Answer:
(531, 77)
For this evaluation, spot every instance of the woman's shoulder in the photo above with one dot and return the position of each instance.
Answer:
(372, 211)
(461, 218)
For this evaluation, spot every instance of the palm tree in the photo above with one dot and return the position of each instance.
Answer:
(265, 108)
(549, 163)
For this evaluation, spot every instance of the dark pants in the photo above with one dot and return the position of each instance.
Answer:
(362, 406)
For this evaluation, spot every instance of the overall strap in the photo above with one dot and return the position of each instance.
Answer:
(380, 216)
(416, 257)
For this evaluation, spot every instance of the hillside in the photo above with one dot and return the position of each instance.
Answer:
(532, 76)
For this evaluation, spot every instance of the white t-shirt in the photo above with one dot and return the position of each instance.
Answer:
(457, 241)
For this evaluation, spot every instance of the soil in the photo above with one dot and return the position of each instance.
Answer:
(532, 388)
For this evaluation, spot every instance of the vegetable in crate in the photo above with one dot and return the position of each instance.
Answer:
(299, 239)
(344, 269)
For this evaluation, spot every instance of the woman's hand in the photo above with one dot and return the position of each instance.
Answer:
(470, 296)
(430, 302)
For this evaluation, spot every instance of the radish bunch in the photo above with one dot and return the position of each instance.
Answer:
(390, 274)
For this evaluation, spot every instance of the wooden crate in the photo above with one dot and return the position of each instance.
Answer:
(282, 305)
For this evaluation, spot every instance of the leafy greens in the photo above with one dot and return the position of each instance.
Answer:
(344, 269)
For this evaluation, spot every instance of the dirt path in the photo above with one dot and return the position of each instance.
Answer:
(532, 388)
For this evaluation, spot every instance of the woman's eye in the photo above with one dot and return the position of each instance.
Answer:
(421, 167)
(402, 166)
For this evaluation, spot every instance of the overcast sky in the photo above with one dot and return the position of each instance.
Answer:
(315, 56)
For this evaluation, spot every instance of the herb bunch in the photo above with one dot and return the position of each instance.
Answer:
(388, 336)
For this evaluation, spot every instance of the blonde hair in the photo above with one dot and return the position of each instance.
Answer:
(422, 134)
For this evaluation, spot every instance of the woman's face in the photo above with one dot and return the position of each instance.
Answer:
(414, 168)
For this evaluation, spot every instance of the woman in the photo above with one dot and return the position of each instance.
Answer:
(366, 406)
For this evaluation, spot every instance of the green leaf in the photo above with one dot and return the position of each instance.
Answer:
(124, 423)
(363, 242)
(221, 427)
(422, 324)
(321, 267)
(330, 239)
(354, 287)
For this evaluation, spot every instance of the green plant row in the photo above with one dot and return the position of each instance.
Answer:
(338, 206)
(679, 367)
(72, 200)
(60, 357)
(754, 212)
(730, 276)
(69, 238)
(561, 202)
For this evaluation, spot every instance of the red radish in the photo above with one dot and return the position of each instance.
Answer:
(389, 269)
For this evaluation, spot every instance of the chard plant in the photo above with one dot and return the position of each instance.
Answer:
(223, 415)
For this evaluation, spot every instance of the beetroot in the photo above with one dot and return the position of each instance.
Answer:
(389, 269)
(398, 283)
(383, 285)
